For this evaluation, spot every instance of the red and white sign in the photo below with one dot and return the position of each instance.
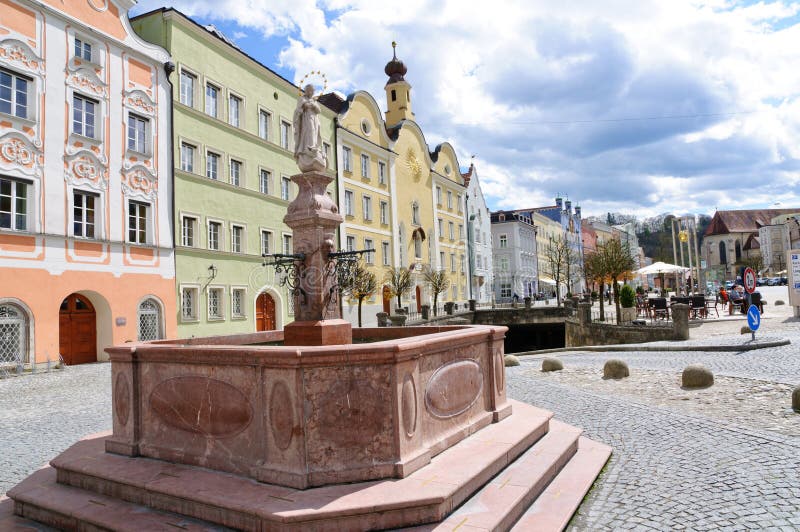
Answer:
(749, 280)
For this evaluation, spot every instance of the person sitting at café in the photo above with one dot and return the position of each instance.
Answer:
(736, 298)
(722, 297)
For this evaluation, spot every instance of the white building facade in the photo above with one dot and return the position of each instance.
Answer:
(479, 240)
(516, 272)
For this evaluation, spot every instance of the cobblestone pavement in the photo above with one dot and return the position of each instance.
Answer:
(43, 414)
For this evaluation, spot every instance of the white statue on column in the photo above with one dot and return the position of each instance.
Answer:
(308, 150)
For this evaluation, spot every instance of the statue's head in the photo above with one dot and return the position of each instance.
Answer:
(308, 90)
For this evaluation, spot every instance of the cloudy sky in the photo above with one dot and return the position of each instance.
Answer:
(641, 106)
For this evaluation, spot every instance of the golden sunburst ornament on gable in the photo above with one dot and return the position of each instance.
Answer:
(413, 164)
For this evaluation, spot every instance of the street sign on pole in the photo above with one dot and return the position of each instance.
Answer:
(749, 280)
(753, 320)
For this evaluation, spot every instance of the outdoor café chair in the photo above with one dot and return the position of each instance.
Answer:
(658, 307)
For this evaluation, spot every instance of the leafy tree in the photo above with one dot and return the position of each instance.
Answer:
(618, 263)
(595, 270)
(363, 285)
(438, 282)
(756, 263)
(399, 282)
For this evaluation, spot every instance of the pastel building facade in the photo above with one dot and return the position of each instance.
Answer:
(479, 239)
(515, 256)
(86, 248)
(233, 144)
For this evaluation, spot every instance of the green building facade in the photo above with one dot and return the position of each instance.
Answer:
(233, 139)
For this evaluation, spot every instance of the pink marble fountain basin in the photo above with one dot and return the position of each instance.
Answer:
(308, 416)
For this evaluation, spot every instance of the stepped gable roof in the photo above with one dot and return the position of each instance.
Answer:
(742, 221)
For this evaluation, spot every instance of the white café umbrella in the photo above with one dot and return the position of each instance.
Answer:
(660, 267)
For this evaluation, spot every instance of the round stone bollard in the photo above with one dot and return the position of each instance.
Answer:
(745, 330)
(615, 369)
(697, 376)
(398, 320)
(511, 360)
(383, 319)
(796, 400)
(779, 302)
(552, 364)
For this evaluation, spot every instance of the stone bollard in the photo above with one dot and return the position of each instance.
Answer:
(510, 361)
(383, 319)
(398, 320)
(448, 308)
(697, 376)
(680, 321)
(569, 307)
(585, 313)
(615, 369)
(426, 312)
(796, 399)
(472, 305)
(552, 364)
(527, 302)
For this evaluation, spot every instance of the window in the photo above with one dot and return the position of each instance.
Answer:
(417, 246)
(264, 124)
(503, 241)
(234, 110)
(264, 182)
(462, 263)
(286, 129)
(384, 213)
(440, 223)
(285, 188)
(439, 196)
(215, 303)
(83, 49)
(450, 230)
(187, 157)
(137, 133)
(452, 262)
(188, 224)
(441, 259)
(212, 165)
(366, 204)
(415, 214)
(13, 94)
(326, 148)
(237, 235)
(188, 82)
(83, 214)
(13, 205)
(83, 116)
(149, 318)
(504, 264)
(137, 222)
(348, 203)
(351, 243)
(369, 257)
(236, 172)
(266, 242)
(287, 244)
(364, 165)
(449, 200)
(505, 289)
(237, 302)
(214, 230)
(458, 203)
(382, 173)
(212, 97)
(385, 253)
(347, 159)
(461, 231)
(188, 303)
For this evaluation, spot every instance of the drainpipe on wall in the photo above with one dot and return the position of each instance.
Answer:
(169, 68)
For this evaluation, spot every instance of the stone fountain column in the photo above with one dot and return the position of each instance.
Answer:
(314, 217)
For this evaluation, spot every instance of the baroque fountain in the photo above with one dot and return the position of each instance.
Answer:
(318, 426)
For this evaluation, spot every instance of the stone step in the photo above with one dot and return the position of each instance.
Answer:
(554, 508)
(41, 499)
(426, 496)
(500, 503)
(14, 523)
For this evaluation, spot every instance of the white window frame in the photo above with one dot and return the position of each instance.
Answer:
(450, 231)
(220, 234)
(195, 291)
(96, 132)
(286, 134)
(347, 159)
(461, 231)
(459, 205)
(415, 213)
(235, 117)
(264, 124)
(30, 100)
(242, 311)
(188, 146)
(270, 241)
(440, 223)
(350, 243)
(208, 101)
(441, 260)
(220, 315)
(349, 209)
(82, 54)
(381, 173)
(286, 238)
(327, 149)
(438, 195)
(286, 188)
(193, 220)
(449, 200)
(384, 212)
(365, 166)
(369, 257)
(95, 226)
(262, 173)
(184, 94)
(212, 173)
(235, 178)
(147, 228)
(366, 207)
(453, 263)
(240, 241)
(141, 139)
(386, 253)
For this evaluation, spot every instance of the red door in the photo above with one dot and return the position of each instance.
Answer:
(265, 312)
(77, 330)
(387, 298)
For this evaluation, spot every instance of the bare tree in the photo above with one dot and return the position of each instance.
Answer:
(556, 255)
(399, 281)
(593, 271)
(617, 263)
(363, 285)
(438, 282)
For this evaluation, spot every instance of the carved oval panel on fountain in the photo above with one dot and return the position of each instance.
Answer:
(499, 370)
(201, 405)
(409, 405)
(122, 398)
(453, 388)
(281, 415)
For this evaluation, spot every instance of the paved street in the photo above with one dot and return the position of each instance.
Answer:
(678, 463)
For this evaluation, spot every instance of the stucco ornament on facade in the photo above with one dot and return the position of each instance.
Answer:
(87, 80)
(138, 180)
(19, 153)
(17, 53)
(413, 164)
(140, 101)
(84, 168)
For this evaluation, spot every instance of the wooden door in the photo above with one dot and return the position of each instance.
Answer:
(77, 330)
(387, 298)
(265, 312)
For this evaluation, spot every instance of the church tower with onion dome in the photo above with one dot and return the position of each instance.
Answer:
(398, 91)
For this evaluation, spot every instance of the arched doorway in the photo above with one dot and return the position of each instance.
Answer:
(265, 312)
(77, 330)
(149, 320)
(13, 336)
(387, 298)
(419, 298)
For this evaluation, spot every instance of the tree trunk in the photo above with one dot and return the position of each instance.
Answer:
(602, 297)
(616, 297)
(435, 300)
(360, 300)
(398, 301)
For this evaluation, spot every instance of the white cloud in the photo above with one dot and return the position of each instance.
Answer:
(537, 90)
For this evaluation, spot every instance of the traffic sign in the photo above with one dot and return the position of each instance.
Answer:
(753, 318)
(749, 280)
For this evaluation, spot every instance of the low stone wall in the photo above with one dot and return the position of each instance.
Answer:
(581, 331)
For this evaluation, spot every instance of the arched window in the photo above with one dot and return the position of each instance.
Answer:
(13, 335)
(738, 251)
(723, 254)
(417, 246)
(149, 321)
